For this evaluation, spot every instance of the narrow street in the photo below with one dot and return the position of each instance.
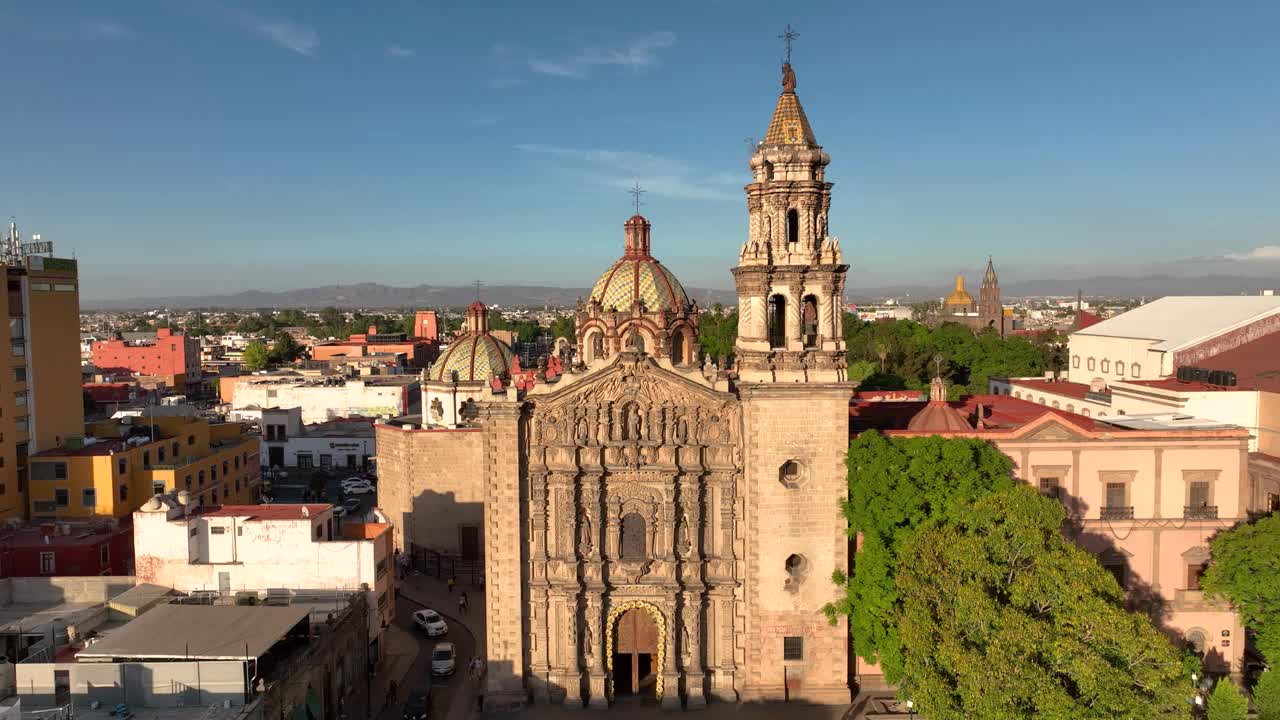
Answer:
(449, 695)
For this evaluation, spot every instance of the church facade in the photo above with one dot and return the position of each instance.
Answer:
(650, 525)
(985, 313)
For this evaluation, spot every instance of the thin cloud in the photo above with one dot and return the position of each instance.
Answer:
(397, 51)
(302, 39)
(634, 55)
(1265, 252)
(660, 175)
(109, 29)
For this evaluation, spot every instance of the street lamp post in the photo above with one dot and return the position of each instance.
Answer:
(911, 708)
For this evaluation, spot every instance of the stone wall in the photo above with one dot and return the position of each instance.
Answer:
(430, 484)
(807, 424)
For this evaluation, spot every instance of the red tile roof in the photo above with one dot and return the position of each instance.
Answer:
(1086, 319)
(1057, 387)
(1000, 413)
(265, 512)
(1254, 363)
(885, 395)
(108, 392)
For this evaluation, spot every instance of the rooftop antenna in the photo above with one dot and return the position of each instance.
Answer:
(786, 37)
(636, 191)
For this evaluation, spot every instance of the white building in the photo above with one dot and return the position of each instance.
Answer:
(328, 397)
(288, 443)
(230, 549)
(1152, 340)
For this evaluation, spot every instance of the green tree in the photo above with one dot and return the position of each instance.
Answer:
(1243, 571)
(1266, 695)
(896, 485)
(255, 356)
(563, 327)
(860, 370)
(1226, 702)
(1003, 618)
(284, 349)
(717, 332)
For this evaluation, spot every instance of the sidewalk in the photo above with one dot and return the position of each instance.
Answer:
(427, 591)
(399, 650)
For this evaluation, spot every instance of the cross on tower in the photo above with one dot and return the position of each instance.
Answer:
(636, 191)
(786, 37)
(477, 285)
(937, 364)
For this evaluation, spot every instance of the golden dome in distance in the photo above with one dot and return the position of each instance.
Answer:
(959, 296)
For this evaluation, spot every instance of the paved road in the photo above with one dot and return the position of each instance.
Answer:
(293, 488)
(445, 690)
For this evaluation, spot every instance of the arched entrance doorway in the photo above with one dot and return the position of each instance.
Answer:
(635, 661)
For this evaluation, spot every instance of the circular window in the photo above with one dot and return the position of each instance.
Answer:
(791, 474)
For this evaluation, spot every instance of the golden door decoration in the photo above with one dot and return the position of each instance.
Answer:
(614, 613)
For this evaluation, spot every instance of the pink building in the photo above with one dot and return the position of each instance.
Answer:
(170, 355)
(1145, 494)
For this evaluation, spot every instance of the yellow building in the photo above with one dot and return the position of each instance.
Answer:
(117, 466)
(40, 397)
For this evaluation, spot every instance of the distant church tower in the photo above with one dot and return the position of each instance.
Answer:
(790, 276)
(990, 309)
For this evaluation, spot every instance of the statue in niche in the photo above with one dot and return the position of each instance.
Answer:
(588, 638)
(682, 430)
(683, 544)
(584, 431)
(633, 422)
(437, 410)
(686, 644)
(571, 632)
(584, 534)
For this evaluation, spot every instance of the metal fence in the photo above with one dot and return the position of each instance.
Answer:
(444, 566)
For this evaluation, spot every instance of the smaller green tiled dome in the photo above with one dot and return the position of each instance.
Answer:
(474, 358)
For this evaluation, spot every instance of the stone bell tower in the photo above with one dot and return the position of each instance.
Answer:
(795, 404)
(790, 274)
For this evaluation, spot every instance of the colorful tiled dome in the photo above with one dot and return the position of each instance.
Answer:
(475, 358)
(644, 279)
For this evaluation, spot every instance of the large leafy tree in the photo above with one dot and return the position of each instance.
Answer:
(1226, 702)
(895, 486)
(1003, 619)
(1246, 571)
(1266, 695)
(255, 356)
(717, 332)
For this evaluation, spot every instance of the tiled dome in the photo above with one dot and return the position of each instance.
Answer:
(959, 296)
(639, 278)
(475, 358)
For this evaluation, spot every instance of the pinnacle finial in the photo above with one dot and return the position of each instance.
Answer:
(636, 191)
(787, 36)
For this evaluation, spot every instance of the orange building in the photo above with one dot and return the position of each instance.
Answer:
(117, 466)
(172, 356)
(40, 396)
(418, 351)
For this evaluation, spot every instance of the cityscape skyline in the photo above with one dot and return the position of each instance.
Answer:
(283, 139)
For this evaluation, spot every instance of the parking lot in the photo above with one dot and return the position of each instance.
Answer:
(297, 486)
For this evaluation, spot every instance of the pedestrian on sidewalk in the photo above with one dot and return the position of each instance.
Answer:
(392, 692)
(451, 584)
(464, 602)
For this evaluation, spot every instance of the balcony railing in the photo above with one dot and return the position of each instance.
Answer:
(1200, 512)
(1196, 600)
(1117, 512)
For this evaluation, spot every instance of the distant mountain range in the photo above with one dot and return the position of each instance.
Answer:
(374, 295)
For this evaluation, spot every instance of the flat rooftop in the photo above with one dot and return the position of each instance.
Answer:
(204, 632)
(1164, 421)
(1176, 321)
(265, 512)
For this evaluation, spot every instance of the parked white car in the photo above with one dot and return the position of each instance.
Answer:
(430, 622)
(443, 659)
(357, 488)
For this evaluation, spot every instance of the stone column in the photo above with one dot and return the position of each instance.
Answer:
(670, 667)
(504, 547)
(691, 649)
(593, 649)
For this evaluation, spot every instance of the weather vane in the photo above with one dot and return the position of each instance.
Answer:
(636, 191)
(786, 37)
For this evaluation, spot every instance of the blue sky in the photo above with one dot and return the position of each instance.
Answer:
(193, 146)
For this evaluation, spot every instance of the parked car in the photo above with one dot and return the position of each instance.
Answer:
(443, 659)
(418, 705)
(339, 511)
(350, 505)
(430, 622)
(359, 488)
